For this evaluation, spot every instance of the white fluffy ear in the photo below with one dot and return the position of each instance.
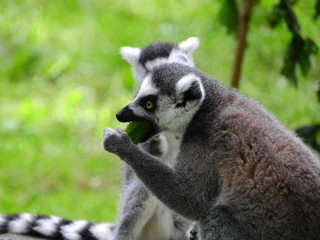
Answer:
(130, 54)
(189, 88)
(178, 56)
(189, 45)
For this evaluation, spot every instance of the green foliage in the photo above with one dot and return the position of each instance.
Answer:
(283, 10)
(229, 15)
(298, 52)
(300, 48)
(317, 10)
(311, 135)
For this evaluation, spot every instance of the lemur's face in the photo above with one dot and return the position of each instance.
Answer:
(144, 60)
(168, 97)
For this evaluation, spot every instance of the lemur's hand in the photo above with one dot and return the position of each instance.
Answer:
(192, 233)
(116, 141)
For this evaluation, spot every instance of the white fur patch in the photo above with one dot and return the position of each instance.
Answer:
(72, 230)
(177, 56)
(20, 225)
(170, 146)
(130, 54)
(102, 231)
(176, 118)
(164, 144)
(172, 118)
(189, 45)
(155, 62)
(146, 88)
(47, 226)
(184, 84)
(139, 73)
(2, 220)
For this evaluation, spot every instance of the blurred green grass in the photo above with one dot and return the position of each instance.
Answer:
(62, 80)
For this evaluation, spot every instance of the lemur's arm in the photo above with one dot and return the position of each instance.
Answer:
(169, 186)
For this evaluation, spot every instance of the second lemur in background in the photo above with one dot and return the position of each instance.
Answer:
(142, 216)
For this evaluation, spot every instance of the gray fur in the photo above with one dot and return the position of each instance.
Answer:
(141, 215)
(239, 172)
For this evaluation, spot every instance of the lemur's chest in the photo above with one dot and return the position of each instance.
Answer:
(195, 161)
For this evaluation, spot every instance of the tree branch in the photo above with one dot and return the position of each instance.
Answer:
(242, 37)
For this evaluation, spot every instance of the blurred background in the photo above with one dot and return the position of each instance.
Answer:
(62, 81)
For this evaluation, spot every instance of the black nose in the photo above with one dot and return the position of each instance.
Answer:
(126, 115)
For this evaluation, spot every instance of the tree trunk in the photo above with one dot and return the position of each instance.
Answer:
(242, 39)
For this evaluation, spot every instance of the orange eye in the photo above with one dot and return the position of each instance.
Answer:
(149, 104)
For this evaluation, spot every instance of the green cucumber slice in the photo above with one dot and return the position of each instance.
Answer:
(137, 131)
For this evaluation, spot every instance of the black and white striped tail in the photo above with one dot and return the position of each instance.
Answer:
(54, 227)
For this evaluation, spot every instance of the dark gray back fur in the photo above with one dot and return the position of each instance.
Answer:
(237, 154)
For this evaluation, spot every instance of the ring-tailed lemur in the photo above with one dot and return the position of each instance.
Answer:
(239, 172)
(141, 216)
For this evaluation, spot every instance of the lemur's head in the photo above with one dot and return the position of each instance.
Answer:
(169, 97)
(143, 60)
